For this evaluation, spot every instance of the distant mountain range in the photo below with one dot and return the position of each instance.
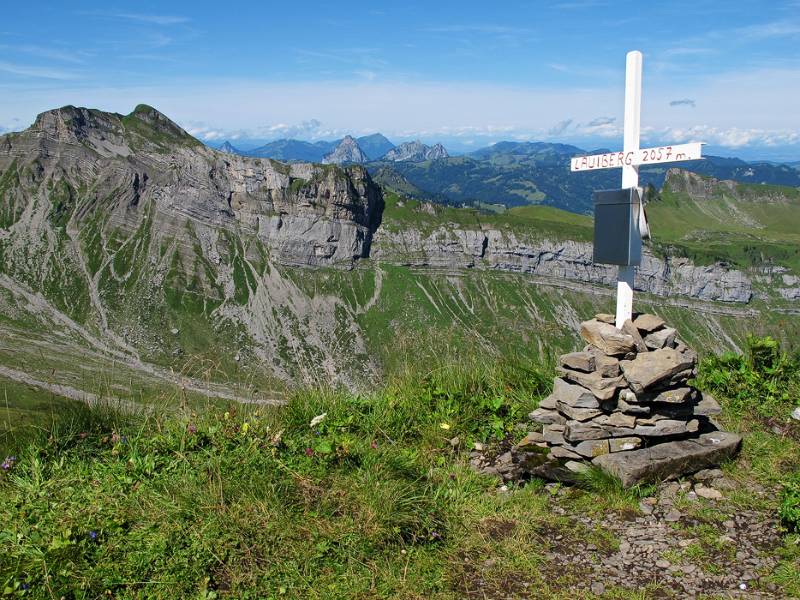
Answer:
(346, 150)
(521, 173)
(505, 173)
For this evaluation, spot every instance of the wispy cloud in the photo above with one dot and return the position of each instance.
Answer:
(38, 72)
(49, 53)
(559, 128)
(153, 19)
(683, 102)
(601, 121)
(774, 29)
(579, 4)
(479, 28)
(730, 137)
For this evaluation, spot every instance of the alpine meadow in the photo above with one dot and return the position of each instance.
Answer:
(246, 352)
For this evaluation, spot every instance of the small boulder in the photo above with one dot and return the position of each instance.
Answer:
(544, 416)
(573, 395)
(606, 318)
(662, 338)
(578, 414)
(602, 387)
(549, 402)
(648, 323)
(707, 407)
(650, 368)
(580, 361)
(607, 338)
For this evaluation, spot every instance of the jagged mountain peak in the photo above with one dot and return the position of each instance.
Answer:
(113, 133)
(416, 151)
(228, 148)
(347, 151)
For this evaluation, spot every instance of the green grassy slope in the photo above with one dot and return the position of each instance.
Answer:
(374, 501)
(744, 224)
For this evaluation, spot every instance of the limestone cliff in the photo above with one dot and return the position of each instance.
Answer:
(459, 248)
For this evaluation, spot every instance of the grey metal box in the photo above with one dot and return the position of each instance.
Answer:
(616, 231)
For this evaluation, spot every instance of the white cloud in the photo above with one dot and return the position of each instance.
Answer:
(37, 72)
(751, 107)
(727, 137)
(559, 128)
(154, 19)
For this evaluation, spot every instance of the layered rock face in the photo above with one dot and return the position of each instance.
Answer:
(458, 248)
(127, 169)
(624, 403)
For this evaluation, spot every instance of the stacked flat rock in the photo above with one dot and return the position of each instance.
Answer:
(625, 404)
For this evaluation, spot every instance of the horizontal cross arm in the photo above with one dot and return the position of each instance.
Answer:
(642, 156)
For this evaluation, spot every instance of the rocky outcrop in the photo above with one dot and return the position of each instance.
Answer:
(416, 152)
(142, 166)
(458, 248)
(347, 151)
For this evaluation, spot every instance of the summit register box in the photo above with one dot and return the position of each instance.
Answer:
(617, 240)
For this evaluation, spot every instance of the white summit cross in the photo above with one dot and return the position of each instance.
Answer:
(629, 160)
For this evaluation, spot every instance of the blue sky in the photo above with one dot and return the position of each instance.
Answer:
(466, 73)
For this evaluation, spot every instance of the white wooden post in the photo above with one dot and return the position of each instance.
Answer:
(630, 173)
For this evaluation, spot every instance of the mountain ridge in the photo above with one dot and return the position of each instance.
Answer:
(126, 237)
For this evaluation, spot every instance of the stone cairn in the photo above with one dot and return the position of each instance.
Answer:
(624, 404)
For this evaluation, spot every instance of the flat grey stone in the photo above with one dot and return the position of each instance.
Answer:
(619, 419)
(666, 427)
(624, 444)
(530, 441)
(662, 338)
(573, 395)
(673, 396)
(549, 402)
(564, 452)
(647, 323)
(607, 338)
(554, 437)
(544, 416)
(602, 387)
(796, 414)
(707, 474)
(708, 406)
(576, 431)
(632, 409)
(592, 448)
(670, 459)
(576, 466)
(650, 368)
(580, 361)
(578, 414)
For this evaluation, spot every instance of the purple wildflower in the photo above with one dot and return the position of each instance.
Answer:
(309, 452)
(191, 428)
(93, 535)
(8, 463)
